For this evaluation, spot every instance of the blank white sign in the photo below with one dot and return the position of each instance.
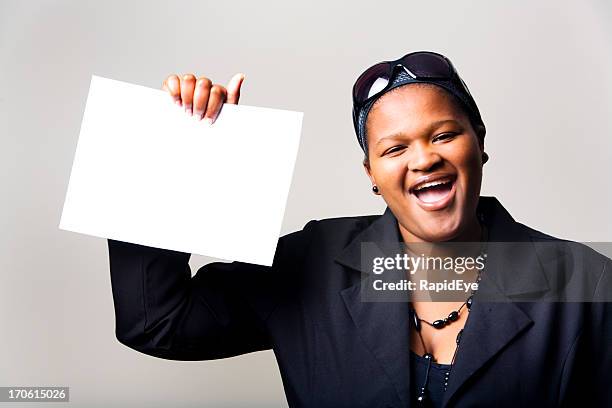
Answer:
(147, 173)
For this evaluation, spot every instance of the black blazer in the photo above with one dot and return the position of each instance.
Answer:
(334, 350)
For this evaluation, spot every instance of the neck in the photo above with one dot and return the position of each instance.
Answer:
(472, 233)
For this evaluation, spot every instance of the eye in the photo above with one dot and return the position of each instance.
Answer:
(444, 136)
(393, 149)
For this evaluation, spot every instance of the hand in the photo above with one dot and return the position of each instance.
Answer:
(200, 97)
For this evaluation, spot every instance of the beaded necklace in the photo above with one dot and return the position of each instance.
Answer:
(422, 398)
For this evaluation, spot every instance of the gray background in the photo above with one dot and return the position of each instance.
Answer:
(540, 72)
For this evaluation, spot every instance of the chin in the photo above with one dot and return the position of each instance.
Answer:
(441, 235)
(443, 228)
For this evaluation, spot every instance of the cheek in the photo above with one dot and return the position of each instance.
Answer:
(467, 160)
(389, 172)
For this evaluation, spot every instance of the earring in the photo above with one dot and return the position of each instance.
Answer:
(485, 157)
(375, 189)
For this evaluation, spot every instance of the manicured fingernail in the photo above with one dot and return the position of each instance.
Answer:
(178, 102)
(208, 121)
(198, 115)
(188, 109)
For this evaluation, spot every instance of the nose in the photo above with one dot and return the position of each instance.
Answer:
(423, 158)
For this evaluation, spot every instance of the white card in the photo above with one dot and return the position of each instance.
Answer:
(147, 173)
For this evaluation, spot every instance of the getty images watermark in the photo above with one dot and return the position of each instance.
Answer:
(412, 265)
(556, 271)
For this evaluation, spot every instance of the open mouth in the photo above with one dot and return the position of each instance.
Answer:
(435, 193)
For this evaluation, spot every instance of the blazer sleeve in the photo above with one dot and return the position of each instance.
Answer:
(591, 353)
(162, 311)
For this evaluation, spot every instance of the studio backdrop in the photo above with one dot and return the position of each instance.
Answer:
(539, 71)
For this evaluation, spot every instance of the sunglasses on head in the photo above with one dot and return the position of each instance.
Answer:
(420, 65)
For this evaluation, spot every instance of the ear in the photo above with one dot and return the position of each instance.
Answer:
(480, 135)
(368, 170)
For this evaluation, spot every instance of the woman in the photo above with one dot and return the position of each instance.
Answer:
(423, 140)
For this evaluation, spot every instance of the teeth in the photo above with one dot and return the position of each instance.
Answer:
(431, 184)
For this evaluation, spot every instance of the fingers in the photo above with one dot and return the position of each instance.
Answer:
(188, 82)
(233, 88)
(218, 95)
(200, 96)
(172, 85)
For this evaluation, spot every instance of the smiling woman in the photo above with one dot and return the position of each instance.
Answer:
(499, 345)
(426, 160)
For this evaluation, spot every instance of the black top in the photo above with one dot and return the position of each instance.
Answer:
(435, 384)
(335, 350)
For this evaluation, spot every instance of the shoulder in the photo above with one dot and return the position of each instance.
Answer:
(338, 230)
(586, 251)
(519, 232)
(333, 232)
(355, 223)
(577, 256)
(536, 235)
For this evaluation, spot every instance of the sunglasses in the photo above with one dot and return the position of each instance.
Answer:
(420, 65)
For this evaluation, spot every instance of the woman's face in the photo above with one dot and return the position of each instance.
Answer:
(426, 160)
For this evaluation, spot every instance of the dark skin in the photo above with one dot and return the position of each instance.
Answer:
(415, 131)
(403, 144)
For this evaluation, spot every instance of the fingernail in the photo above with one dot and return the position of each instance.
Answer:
(188, 109)
(198, 115)
(178, 102)
(208, 121)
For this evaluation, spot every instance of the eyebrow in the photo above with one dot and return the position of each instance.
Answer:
(432, 126)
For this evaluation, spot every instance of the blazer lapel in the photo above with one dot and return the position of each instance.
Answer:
(489, 328)
(510, 272)
(382, 326)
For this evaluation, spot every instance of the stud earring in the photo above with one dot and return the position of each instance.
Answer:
(375, 189)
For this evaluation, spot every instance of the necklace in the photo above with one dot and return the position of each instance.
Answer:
(452, 316)
(439, 324)
(422, 398)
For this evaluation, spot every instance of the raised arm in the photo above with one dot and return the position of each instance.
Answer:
(222, 311)
(160, 310)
